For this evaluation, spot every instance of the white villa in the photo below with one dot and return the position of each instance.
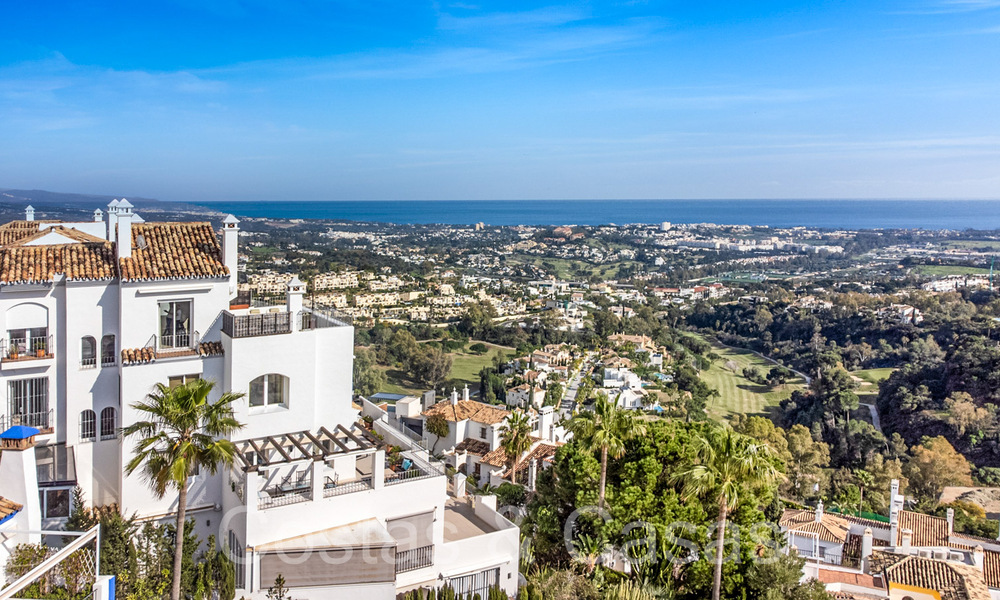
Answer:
(98, 312)
(473, 444)
(913, 555)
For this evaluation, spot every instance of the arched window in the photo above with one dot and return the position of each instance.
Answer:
(108, 351)
(28, 330)
(108, 423)
(88, 352)
(88, 425)
(269, 390)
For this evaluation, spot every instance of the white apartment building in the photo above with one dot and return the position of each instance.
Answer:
(337, 281)
(98, 312)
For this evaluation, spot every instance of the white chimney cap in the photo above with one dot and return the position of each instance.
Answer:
(295, 281)
(137, 219)
(125, 204)
(230, 219)
(113, 204)
(29, 207)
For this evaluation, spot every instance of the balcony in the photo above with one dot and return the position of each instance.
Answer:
(256, 324)
(332, 488)
(16, 350)
(304, 466)
(417, 558)
(276, 320)
(39, 420)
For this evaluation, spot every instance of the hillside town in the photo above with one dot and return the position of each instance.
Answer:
(431, 414)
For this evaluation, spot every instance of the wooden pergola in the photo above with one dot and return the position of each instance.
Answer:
(289, 448)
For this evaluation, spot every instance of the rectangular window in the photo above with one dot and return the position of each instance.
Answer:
(269, 390)
(175, 324)
(108, 354)
(108, 429)
(178, 380)
(476, 584)
(55, 466)
(482, 432)
(28, 341)
(257, 392)
(55, 503)
(28, 402)
(237, 554)
(275, 389)
(88, 425)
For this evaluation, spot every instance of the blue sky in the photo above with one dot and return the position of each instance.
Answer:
(369, 99)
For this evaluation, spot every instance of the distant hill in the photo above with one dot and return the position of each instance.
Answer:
(58, 205)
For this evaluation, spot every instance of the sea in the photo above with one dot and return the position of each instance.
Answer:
(827, 214)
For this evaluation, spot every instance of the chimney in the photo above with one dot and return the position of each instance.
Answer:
(546, 417)
(454, 397)
(230, 244)
(429, 398)
(893, 524)
(867, 542)
(895, 499)
(907, 542)
(98, 216)
(19, 475)
(951, 520)
(819, 511)
(29, 213)
(124, 235)
(113, 221)
(294, 292)
(532, 474)
(978, 557)
(465, 393)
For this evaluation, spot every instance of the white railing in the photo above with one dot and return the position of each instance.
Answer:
(331, 488)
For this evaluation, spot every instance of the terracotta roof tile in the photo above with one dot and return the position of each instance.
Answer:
(848, 577)
(927, 530)
(141, 356)
(39, 264)
(831, 527)
(952, 581)
(210, 349)
(991, 568)
(852, 549)
(18, 230)
(173, 251)
(479, 412)
(67, 232)
(540, 452)
(138, 356)
(473, 446)
(496, 457)
(8, 509)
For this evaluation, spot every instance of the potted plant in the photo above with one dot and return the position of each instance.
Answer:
(13, 352)
(39, 348)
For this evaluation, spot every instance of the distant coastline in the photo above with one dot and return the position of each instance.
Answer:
(829, 214)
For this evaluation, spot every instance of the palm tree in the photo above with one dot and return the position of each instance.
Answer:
(865, 480)
(515, 439)
(183, 432)
(606, 428)
(728, 465)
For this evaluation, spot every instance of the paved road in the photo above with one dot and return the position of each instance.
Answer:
(876, 421)
(807, 378)
(569, 399)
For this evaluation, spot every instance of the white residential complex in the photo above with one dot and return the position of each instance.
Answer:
(98, 312)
